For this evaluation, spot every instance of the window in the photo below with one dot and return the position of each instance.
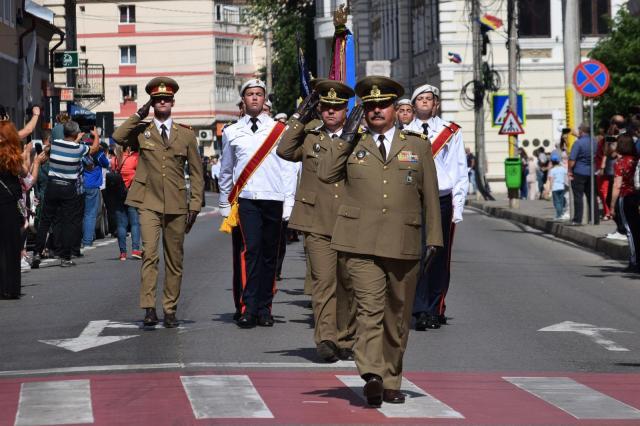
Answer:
(127, 55)
(384, 30)
(127, 14)
(243, 54)
(593, 17)
(83, 49)
(426, 25)
(7, 14)
(128, 93)
(226, 90)
(534, 18)
(224, 55)
(229, 14)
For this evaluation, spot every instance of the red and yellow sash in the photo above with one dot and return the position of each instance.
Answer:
(231, 221)
(443, 138)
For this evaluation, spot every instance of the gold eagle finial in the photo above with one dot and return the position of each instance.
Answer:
(340, 15)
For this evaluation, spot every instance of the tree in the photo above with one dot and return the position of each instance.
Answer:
(284, 18)
(620, 52)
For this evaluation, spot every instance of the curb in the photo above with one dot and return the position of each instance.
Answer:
(615, 249)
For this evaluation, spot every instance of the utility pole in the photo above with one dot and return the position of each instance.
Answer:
(572, 55)
(71, 36)
(512, 13)
(267, 45)
(478, 93)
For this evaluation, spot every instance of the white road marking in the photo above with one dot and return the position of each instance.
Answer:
(418, 404)
(591, 331)
(54, 403)
(224, 397)
(89, 338)
(180, 366)
(574, 398)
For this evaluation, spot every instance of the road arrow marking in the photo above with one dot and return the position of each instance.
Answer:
(90, 337)
(593, 332)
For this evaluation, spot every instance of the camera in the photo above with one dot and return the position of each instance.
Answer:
(85, 121)
(610, 138)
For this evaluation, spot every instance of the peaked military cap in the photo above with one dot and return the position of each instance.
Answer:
(334, 92)
(376, 88)
(162, 86)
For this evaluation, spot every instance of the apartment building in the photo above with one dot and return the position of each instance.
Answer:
(416, 36)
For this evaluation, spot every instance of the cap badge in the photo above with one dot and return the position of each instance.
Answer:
(375, 91)
(316, 147)
(332, 94)
(361, 154)
(162, 87)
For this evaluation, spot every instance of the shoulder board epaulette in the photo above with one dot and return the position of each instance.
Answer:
(414, 133)
(148, 124)
(314, 131)
(186, 126)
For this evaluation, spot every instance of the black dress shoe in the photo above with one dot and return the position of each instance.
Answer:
(150, 317)
(393, 396)
(35, 262)
(170, 321)
(246, 321)
(421, 321)
(432, 322)
(237, 316)
(373, 390)
(265, 320)
(66, 263)
(328, 351)
(345, 354)
(442, 319)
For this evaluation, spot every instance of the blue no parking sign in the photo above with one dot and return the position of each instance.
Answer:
(591, 78)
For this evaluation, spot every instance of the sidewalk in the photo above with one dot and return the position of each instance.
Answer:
(539, 214)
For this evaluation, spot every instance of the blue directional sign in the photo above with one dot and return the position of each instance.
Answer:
(591, 78)
(499, 106)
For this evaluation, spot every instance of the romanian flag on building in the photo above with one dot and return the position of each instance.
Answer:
(343, 65)
(490, 22)
(454, 57)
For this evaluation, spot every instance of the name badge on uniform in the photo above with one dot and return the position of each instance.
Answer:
(361, 154)
(316, 147)
(147, 134)
(408, 157)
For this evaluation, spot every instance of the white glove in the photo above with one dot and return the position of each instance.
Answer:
(286, 212)
(457, 216)
(225, 209)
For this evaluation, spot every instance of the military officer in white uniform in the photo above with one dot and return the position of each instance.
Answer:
(451, 166)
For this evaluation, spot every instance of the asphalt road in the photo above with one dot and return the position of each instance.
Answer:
(508, 283)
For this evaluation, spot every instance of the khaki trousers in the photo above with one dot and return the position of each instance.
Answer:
(332, 298)
(172, 227)
(384, 290)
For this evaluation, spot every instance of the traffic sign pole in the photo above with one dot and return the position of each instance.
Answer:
(592, 204)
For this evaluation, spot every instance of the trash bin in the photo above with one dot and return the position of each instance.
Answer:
(513, 172)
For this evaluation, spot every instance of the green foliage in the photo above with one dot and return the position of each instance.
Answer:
(284, 18)
(620, 52)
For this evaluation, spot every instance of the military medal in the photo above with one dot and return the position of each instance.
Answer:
(147, 134)
(409, 179)
(361, 154)
(316, 147)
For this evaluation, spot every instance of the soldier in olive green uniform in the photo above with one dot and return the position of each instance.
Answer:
(390, 184)
(160, 194)
(314, 213)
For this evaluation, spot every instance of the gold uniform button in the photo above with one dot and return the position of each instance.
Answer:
(164, 158)
(384, 211)
(336, 185)
(335, 196)
(385, 181)
(304, 199)
(340, 144)
(164, 167)
(163, 175)
(385, 167)
(385, 196)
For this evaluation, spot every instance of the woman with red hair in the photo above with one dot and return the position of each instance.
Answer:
(11, 169)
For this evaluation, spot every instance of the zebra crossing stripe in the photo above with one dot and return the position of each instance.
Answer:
(54, 403)
(419, 404)
(576, 399)
(210, 397)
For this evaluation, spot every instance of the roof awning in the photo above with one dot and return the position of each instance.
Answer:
(38, 11)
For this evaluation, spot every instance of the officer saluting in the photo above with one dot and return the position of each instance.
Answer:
(314, 213)
(390, 184)
(453, 181)
(159, 192)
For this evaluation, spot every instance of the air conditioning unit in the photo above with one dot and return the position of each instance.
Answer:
(205, 135)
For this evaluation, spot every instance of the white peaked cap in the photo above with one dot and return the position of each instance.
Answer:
(424, 89)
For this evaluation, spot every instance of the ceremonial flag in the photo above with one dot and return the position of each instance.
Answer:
(454, 57)
(305, 75)
(490, 22)
(343, 65)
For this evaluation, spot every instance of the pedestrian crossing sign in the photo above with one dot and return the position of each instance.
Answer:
(511, 125)
(500, 105)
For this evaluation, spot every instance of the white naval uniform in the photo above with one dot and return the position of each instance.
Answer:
(451, 164)
(275, 179)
